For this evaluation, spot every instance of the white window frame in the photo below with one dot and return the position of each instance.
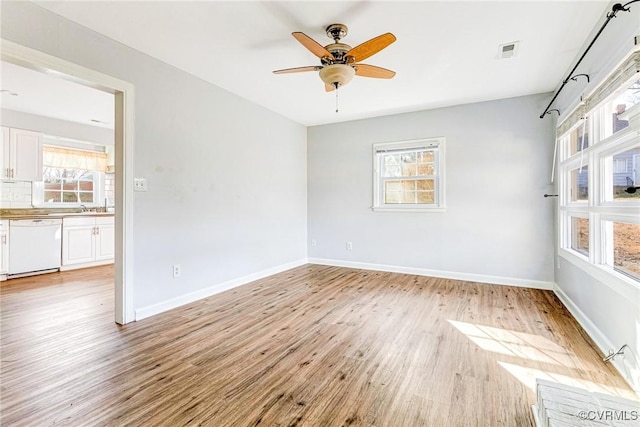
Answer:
(600, 210)
(620, 162)
(568, 236)
(98, 195)
(434, 143)
(37, 188)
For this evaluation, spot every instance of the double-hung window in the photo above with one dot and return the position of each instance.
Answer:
(409, 175)
(599, 179)
(71, 177)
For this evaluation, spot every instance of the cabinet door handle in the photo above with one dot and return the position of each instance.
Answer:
(11, 173)
(7, 173)
(97, 230)
(4, 239)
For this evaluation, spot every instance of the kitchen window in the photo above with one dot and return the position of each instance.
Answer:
(409, 176)
(71, 177)
(69, 185)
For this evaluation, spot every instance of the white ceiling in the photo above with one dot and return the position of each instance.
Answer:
(445, 54)
(46, 95)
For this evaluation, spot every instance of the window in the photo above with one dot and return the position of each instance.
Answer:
(620, 166)
(70, 177)
(623, 173)
(68, 185)
(579, 184)
(579, 241)
(579, 137)
(599, 209)
(624, 255)
(409, 175)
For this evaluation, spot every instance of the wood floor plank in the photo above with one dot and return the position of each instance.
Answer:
(312, 346)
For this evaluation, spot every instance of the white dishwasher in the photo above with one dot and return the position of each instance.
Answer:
(35, 245)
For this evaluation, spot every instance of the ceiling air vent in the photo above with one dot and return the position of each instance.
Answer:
(508, 50)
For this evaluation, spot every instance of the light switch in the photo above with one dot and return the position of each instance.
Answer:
(139, 184)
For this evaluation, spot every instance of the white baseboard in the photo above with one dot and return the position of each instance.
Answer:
(600, 339)
(163, 306)
(481, 278)
(86, 264)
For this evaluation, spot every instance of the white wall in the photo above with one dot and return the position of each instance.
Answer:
(610, 318)
(55, 127)
(226, 178)
(498, 227)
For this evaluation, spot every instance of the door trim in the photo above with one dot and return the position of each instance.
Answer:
(124, 140)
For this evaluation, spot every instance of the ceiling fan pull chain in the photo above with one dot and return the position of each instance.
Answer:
(336, 98)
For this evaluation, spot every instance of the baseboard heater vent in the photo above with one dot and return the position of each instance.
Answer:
(560, 405)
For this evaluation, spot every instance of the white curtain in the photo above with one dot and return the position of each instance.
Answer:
(70, 158)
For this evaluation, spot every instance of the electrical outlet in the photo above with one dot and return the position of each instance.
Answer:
(313, 242)
(139, 184)
(176, 270)
(349, 246)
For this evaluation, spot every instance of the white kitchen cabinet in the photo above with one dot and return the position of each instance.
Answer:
(21, 155)
(4, 159)
(105, 238)
(78, 240)
(4, 249)
(87, 241)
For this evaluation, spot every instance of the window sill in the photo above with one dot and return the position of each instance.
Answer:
(407, 209)
(618, 282)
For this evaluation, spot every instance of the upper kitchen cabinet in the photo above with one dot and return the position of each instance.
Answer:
(21, 155)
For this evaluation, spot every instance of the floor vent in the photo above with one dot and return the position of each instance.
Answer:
(561, 405)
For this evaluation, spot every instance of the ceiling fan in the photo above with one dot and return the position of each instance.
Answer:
(340, 62)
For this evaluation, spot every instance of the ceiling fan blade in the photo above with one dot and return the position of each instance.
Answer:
(328, 88)
(298, 69)
(314, 47)
(371, 47)
(365, 70)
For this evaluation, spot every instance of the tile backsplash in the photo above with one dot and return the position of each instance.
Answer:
(15, 194)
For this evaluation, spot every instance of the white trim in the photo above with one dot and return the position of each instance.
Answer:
(408, 209)
(437, 143)
(469, 277)
(144, 312)
(124, 96)
(417, 144)
(621, 364)
(617, 282)
(85, 265)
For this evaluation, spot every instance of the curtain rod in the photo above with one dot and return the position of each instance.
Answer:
(610, 15)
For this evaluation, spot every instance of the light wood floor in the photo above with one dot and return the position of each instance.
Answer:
(314, 346)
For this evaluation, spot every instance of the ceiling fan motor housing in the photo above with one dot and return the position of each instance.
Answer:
(338, 50)
(337, 74)
(336, 31)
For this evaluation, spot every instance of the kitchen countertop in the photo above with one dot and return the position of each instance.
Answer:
(53, 215)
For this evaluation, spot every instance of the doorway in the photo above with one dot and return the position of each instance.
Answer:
(123, 93)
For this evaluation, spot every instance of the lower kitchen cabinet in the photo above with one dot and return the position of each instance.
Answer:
(4, 249)
(87, 241)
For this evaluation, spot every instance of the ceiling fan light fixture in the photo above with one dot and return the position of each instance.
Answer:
(337, 74)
